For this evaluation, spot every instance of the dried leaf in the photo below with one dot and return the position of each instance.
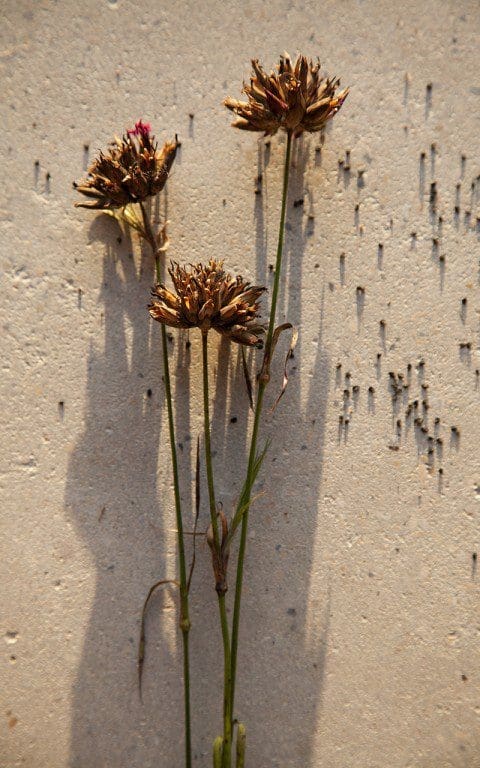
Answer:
(264, 374)
(224, 522)
(141, 645)
(248, 380)
(163, 242)
(293, 343)
(112, 213)
(129, 215)
(245, 499)
(220, 553)
(217, 752)
(241, 743)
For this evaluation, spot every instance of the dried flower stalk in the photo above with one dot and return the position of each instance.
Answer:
(294, 98)
(132, 170)
(206, 297)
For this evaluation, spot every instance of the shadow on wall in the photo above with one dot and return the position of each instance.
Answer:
(112, 497)
(126, 519)
(282, 661)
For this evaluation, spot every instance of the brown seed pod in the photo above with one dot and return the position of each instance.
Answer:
(208, 297)
(132, 169)
(294, 98)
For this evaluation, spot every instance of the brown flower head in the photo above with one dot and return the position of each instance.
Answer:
(295, 98)
(208, 297)
(132, 169)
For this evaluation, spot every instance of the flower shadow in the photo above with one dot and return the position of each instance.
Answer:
(115, 498)
(112, 499)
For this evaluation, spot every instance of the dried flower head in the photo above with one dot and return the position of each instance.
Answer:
(132, 169)
(208, 297)
(295, 98)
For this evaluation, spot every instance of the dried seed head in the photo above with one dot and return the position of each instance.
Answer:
(208, 297)
(132, 169)
(295, 98)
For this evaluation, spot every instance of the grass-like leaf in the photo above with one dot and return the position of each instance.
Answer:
(248, 380)
(245, 501)
(141, 645)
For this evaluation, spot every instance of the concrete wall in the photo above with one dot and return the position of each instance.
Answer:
(360, 642)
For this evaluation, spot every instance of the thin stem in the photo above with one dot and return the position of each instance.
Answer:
(281, 233)
(227, 680)
(184, 607)
(227, 686)
(208, 447)
(245, 499)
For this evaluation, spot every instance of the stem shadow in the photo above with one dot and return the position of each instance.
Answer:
(283, 643)
(112, 498)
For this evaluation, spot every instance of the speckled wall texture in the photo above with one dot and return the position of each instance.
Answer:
(361, 629)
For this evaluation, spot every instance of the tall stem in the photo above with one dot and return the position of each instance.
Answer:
(245, 499)
(227, 680)
(184, 607)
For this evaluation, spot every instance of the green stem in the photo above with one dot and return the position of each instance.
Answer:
(245, 499)
(227, 711)
(184, 607)
(208, 447)
(281, 233)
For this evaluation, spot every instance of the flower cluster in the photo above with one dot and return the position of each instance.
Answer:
(132, 169)
(208, 297)
(295, 98)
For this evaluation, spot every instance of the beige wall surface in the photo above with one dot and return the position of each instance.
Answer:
(361, 625)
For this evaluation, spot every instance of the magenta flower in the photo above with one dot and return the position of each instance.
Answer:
(141, 129)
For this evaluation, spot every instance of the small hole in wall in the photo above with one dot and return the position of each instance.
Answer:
(342, 268)
(380, 256)
(428, 99)
(455, 438)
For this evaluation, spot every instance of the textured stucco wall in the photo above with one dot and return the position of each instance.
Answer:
(360, 643)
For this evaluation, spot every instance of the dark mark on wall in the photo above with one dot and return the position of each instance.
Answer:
(428, 99)
(380, 256)
(342, 268)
